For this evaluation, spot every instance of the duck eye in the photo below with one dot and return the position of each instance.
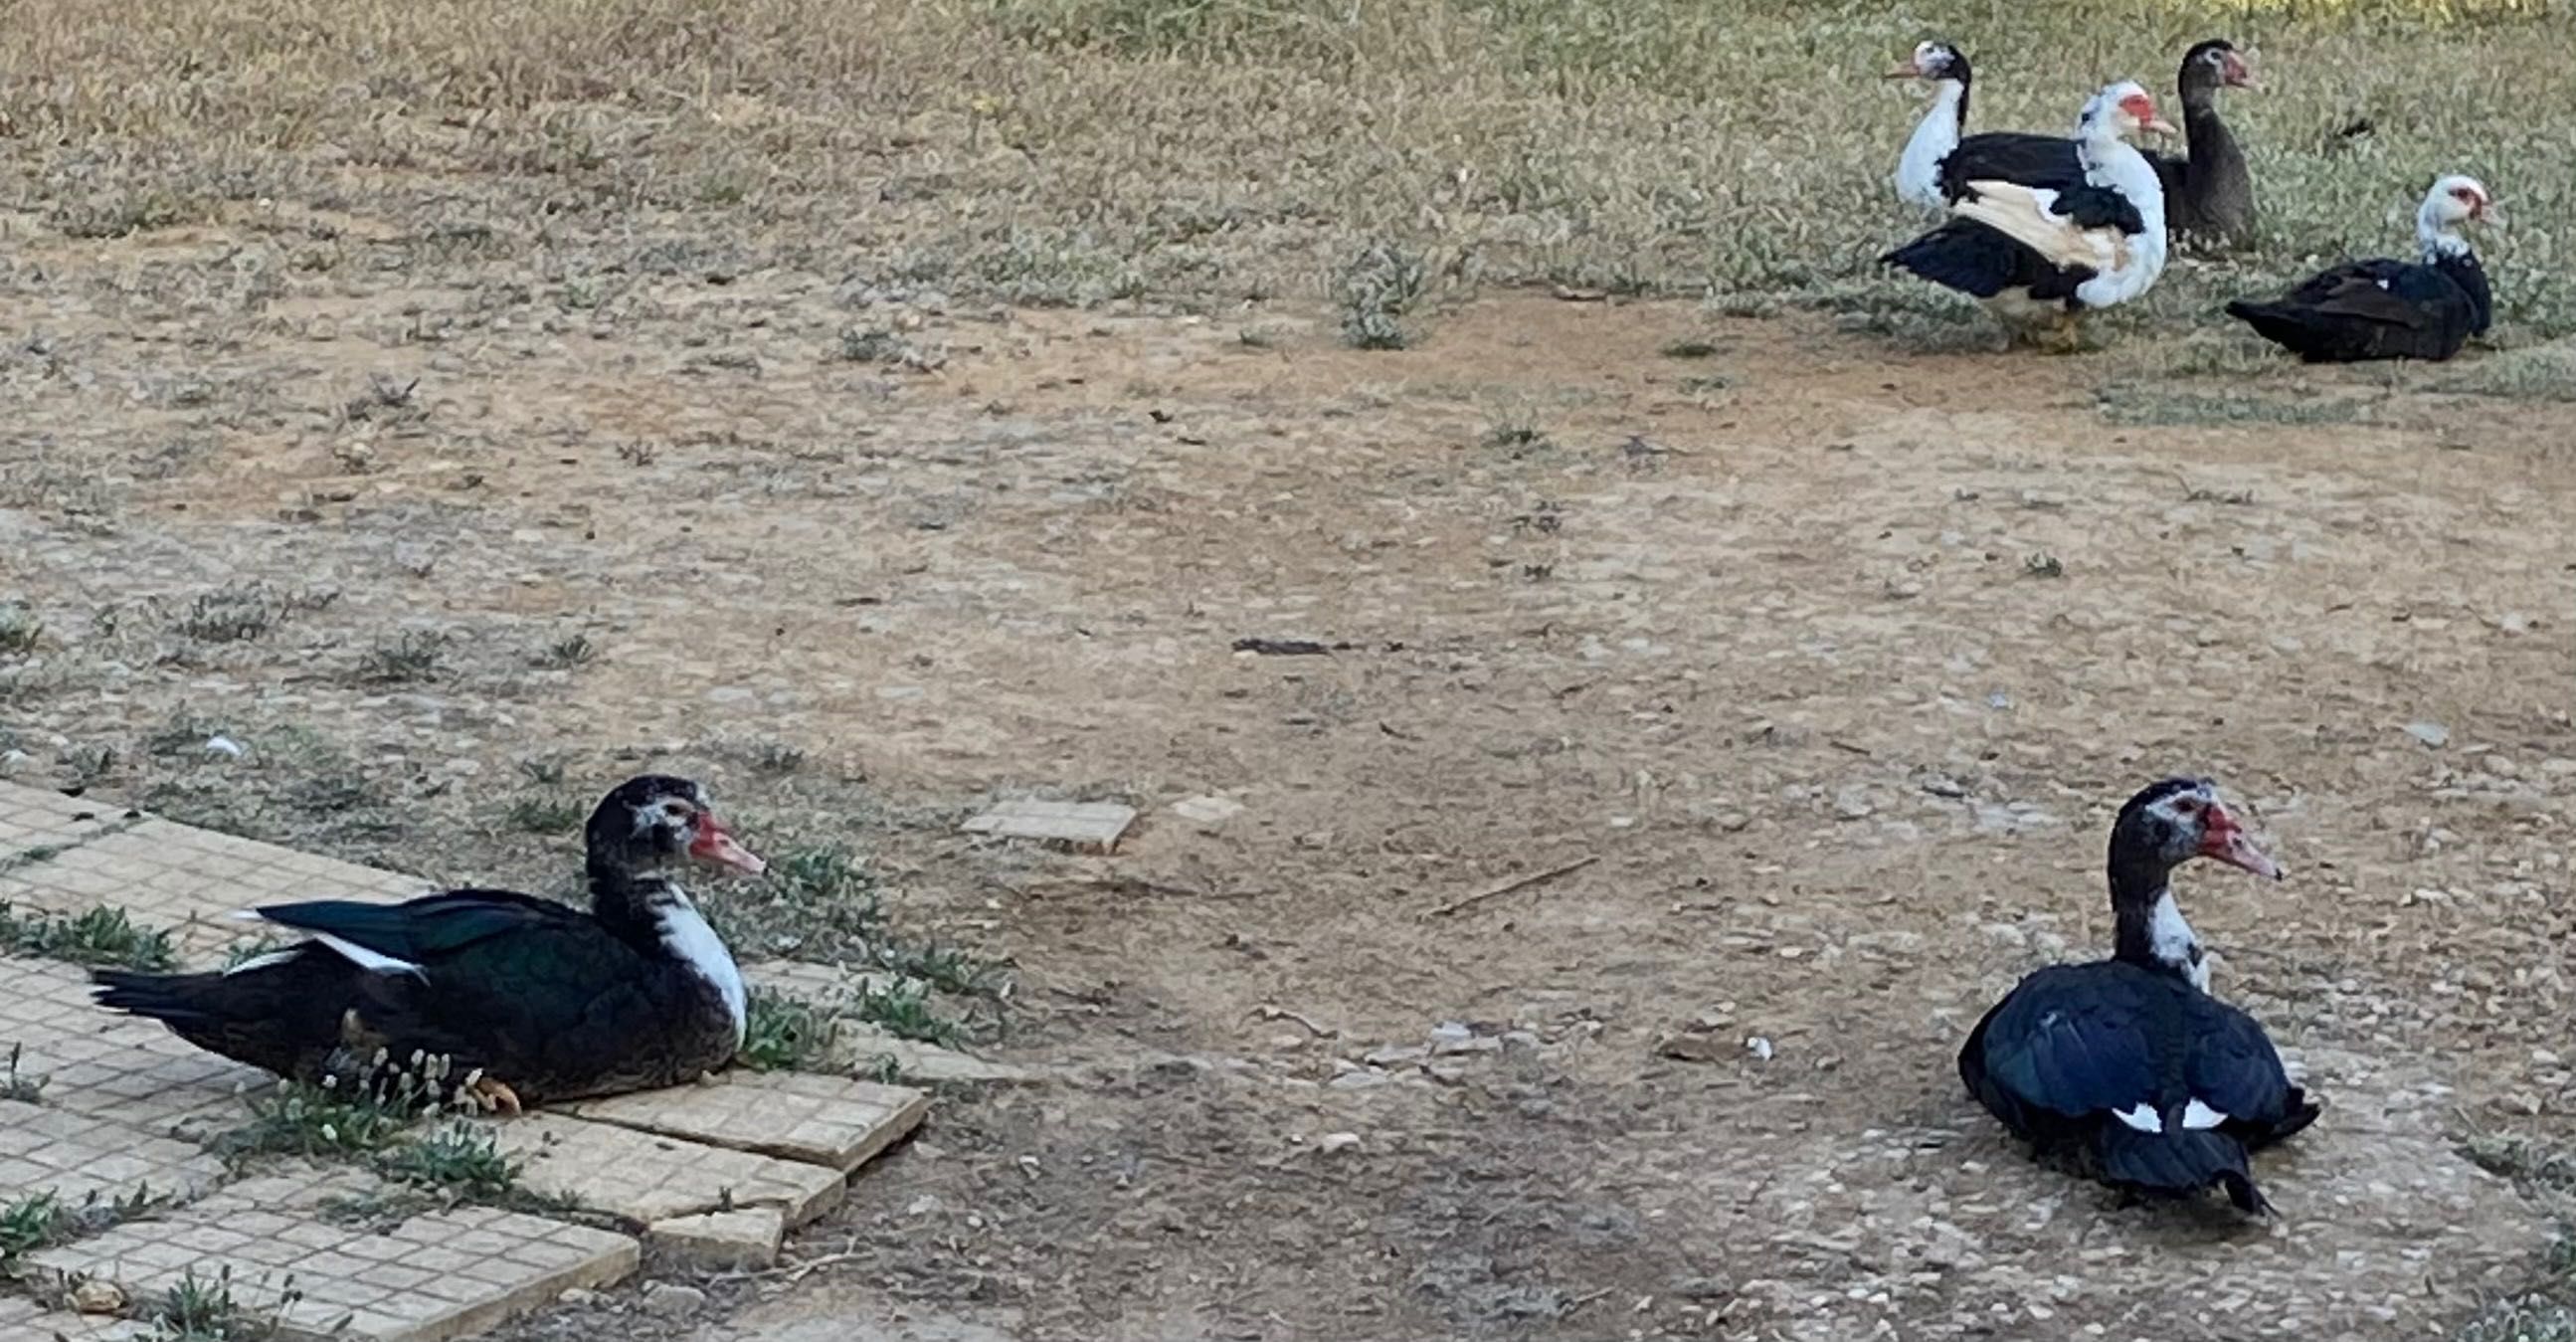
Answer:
(676, 810)
(2186, 807)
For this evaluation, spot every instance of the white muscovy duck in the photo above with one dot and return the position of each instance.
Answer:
(1918, 169)
(2127, 1066)
(2039, 252)
(2387, 309)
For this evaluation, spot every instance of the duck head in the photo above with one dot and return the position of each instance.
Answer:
(2176, 820)
(654, 820)
(2213, 65)
(1932, 60)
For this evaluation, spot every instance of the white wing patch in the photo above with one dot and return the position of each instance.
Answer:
(374, 962)
(2142, 1117)
(264, 961)
(2027, 215)
(2198, 1117)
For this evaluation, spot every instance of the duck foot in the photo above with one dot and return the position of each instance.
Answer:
(492, 1097)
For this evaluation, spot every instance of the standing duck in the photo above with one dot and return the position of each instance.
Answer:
(2127, 1065)
(2209, 194)
(530, 999)
(2049, 252)
(2384, 309)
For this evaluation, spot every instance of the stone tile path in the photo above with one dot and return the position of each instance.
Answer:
(716, 1173)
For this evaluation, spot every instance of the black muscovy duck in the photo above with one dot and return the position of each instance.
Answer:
(2128, 1066)
(2208, 194)
(2386, 309)
(2033, 253)
(528, 999)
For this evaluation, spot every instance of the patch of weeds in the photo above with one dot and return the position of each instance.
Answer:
(18, 1085)
(2234, 498)
(2524, 1160)
(946, 968)
(775, 758)
(357, 1117)
(19, 629)
(1703, 385)
(201, 1309)
(384, 399)
(2543, 374)
(2544, 1313)
(1377, 286)
(885, 348)
(413, 655)
(785, 1034)
(123, 214)
(41, 1221)
(2042, 564)
(820, 903)
(459, 1159)
(239, 612)
(103, 936)
(2149, 405)
(885, 1069)
(569, 653)
(547, 814)
(1517, 436)
(1690, 349)
(88, 764)
(542, 772)
(638, 454)
(903, 1010)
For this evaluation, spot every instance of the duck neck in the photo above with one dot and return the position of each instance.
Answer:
(2150, 931)
(625, 900)
(1918, 171)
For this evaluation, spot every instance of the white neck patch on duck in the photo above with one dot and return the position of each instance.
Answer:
(2173, 942)
(1918, 170)
(686, 935)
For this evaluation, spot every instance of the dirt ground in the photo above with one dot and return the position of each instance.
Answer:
(1827, 661)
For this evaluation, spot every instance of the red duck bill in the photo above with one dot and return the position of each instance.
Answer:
(2220, 838)
(714, 845)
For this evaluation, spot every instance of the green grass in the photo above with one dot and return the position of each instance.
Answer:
(782, 1033)
(202, 1309)
(459, 1159)
(103, 936)
(298, 1118)
(545, 814)
(41, 1220)
(19, 629)
(2163, 405)
(411, 656)
(2545, 1310)
(904, 1011)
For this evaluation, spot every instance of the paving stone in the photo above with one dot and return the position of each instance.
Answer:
(646, 1176)
(1088, 824)
(77, 1157)
(831, 1121)
(34, 818)
(106, 1065)
(351, 1281)
(190, 881)
(721, 1241)
(27, 1321)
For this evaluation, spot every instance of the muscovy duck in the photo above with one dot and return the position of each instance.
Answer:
(2384, 309)
(529, 999)
(2207, 195)
(2128, 1066)
(2042, 252)
(1918, 169)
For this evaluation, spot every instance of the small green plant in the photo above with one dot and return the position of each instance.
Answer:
(820, 902)
(903, 1010)
(19, 628)
(946, 968)
(18, 1085)
(2042, 564)
(777, 758)
(103, 936)
(1516, 436)
(356, 1117)
(542, 772)
(412, 655)
(785, 1034)
(459, 1158)
(1690, 349)
(884, 1068)
(569, 653)
(1378, 285)
(202, 1309)
(240, 612)
(31, 1223)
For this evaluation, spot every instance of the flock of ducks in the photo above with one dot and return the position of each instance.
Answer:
(2126, 1068)
(2043, 228)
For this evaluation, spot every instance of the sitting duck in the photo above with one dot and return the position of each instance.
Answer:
(2390, 309)
(2127, 1067)
(527, 999)
(2038, 255)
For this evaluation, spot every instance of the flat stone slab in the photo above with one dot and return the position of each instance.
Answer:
(721, 1241)
(27, 1321)
(34, 821)
(77, 1157)
(857, 1043)
(96, 1062)
(187, 881)
(830, 1121)
(648, 1177)
(435, 1276)
(1087, 824)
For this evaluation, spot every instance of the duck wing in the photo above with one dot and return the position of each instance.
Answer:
(2011, 156)
(2365, 310)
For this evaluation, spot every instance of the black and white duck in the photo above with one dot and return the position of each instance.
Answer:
(2127, 1066)
(2387, 309)
(529, 999)
(2043, 254)
(2208, 195)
